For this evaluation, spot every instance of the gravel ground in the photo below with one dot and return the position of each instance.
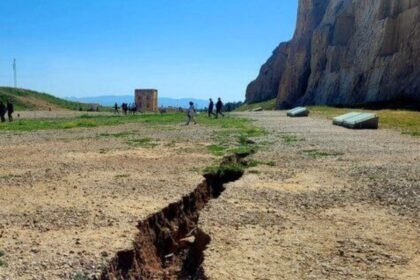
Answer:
(324, 203)
(70, 199)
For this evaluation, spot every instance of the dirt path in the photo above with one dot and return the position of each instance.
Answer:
(324, 203)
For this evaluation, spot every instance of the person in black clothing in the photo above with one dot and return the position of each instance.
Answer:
(134, 108)
(116, 108)
(211, 107)
(124, 107)
(2, 111)
(10, 110)
(219, 107)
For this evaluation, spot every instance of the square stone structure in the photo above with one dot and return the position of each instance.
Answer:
(146, 100)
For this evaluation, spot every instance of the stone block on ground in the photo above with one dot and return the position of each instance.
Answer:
(298, 112)
(340, 119)
(362, 121)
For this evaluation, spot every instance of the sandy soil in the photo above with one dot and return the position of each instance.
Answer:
(70, 199)
(338, 204)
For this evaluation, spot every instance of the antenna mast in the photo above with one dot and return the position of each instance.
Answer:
(14, 73)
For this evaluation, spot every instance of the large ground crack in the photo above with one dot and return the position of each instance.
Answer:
(169, 244)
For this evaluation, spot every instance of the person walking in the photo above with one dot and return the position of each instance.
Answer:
(191, 114)
(134, 108)
(10, 110)
(3, 111)
(124, 107)
(219, 107)
(116, 108)
(211, 107)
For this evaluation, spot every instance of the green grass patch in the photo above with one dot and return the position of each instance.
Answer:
(143, 142)
(232, 125)
(290, 139)
(24, 99)
(9, 176)
(232, 134)
(243, 149)
(315, 153)
(255, 163)
(217, 150)
(2, 262)
(120, 176)
(268, 105)
(408, 122)
(225, 169)
(91, 121)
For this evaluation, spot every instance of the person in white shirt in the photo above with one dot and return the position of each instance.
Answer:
(191, 114)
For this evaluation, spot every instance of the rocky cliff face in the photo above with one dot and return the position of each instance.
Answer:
(266, 86)
(346, 52)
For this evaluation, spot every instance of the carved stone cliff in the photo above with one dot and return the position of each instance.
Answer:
(346, 52)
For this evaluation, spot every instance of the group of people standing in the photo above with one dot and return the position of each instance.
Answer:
(8, 108)
(132, 108)
(219, 107)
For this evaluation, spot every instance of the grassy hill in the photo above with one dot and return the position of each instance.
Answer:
(31, 100)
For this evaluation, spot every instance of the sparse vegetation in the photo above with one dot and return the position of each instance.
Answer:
(2, 262)
(290, 139)
(143, 142)
(120, 176)
(81, 276)
(233, 135)
(315, 153)
(268, 105)
(9, 176)
(255, 163)
(224, 169)
(116, 135)
(217, 150)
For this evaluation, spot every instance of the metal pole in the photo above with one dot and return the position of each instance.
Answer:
(14, 73)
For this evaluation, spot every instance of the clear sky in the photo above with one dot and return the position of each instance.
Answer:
(184, 48)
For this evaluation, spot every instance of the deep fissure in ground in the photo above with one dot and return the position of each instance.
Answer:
(169, 244)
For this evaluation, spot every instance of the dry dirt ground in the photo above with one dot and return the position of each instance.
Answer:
(69, 199)
(325, 203)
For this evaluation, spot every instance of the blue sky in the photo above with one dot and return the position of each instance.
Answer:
(184, 48)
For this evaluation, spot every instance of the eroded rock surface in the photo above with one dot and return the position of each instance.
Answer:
(346, 52)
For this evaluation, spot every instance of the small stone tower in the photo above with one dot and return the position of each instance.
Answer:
(146, 100)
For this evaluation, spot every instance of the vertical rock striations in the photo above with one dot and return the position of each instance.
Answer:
(266, 86)
(346, 52)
